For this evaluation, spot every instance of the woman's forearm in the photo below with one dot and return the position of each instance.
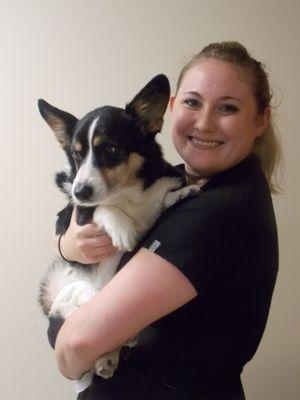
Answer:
(73, 361)
(144, 290)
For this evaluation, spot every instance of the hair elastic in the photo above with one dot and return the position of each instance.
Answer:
(59, 248)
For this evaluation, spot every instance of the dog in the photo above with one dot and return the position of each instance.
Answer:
(117, 178)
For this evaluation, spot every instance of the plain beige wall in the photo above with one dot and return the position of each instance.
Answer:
(82, 54)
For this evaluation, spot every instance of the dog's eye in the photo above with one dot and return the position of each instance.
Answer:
(110, 148)
(77, 156)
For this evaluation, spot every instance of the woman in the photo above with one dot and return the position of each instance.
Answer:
(202, 298)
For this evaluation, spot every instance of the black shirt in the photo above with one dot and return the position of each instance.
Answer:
(224, 240)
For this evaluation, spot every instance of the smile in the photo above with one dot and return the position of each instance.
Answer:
(204, 143)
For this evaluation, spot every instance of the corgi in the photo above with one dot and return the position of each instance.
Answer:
(117, 178)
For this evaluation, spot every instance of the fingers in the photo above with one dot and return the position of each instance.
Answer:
(92, 258)
(86, 244)
(96, 242)
(98, 246)
(93, 253)
(87, 230)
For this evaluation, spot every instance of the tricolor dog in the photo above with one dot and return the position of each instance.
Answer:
(118, 179)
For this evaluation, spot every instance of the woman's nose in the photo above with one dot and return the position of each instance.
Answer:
(205, 121)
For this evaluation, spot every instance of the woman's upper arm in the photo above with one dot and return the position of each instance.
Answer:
(144, 290)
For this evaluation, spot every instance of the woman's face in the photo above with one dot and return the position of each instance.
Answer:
(215, 119)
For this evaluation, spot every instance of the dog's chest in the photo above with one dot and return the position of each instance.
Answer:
(130, 214)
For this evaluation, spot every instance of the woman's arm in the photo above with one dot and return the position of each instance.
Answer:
(147, 288)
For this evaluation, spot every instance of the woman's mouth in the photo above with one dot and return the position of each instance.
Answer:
(205, 144)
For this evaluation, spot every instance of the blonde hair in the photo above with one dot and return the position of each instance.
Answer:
(266, 146)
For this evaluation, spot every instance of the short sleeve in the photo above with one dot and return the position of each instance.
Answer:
(203, 236)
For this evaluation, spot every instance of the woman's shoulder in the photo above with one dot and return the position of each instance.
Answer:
(231, 198)
(241, 185)
(234, 201)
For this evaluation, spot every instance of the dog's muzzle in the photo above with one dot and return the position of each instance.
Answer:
(83, 192)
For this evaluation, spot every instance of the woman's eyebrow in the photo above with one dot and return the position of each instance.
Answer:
(193, 93)
(226, 97)
(230, 98)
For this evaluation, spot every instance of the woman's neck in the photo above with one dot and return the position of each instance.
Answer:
(192, 179)
(195, 179)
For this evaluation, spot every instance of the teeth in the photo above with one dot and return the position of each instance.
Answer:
(204, 142)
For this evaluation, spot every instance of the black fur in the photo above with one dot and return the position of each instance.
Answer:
(129, 130)
(63, 219)
(112, 156)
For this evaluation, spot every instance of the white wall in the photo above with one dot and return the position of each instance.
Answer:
(79, 54)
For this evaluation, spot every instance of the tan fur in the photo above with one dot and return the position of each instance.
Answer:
(125, 173)
(59, 129)
(152, 114)
(78, 146)
(96, 141)
(156, 125)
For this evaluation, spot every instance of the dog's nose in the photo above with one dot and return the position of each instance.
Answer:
(83, 192)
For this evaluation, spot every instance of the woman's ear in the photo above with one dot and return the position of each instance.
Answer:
(172, 99)
(263, 121)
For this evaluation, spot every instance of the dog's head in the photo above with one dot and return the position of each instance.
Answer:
(108, 146)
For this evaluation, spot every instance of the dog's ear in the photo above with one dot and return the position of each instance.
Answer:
(61, 122)
(150, 104)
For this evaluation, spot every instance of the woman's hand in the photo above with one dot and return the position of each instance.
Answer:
(86, 244)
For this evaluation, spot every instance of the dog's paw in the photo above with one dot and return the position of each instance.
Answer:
(189, 191)
(119, 227)
(201, 182)
(106, 365)
(132, 342)
(180, 194)
(124, 238)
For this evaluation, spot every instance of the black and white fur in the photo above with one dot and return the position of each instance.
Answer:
(116, 178)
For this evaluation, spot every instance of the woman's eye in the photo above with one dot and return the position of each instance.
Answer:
(228, 108)
(191, 102)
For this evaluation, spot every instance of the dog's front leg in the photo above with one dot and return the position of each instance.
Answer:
(106, 365)
(118, 225)
(180, 194)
